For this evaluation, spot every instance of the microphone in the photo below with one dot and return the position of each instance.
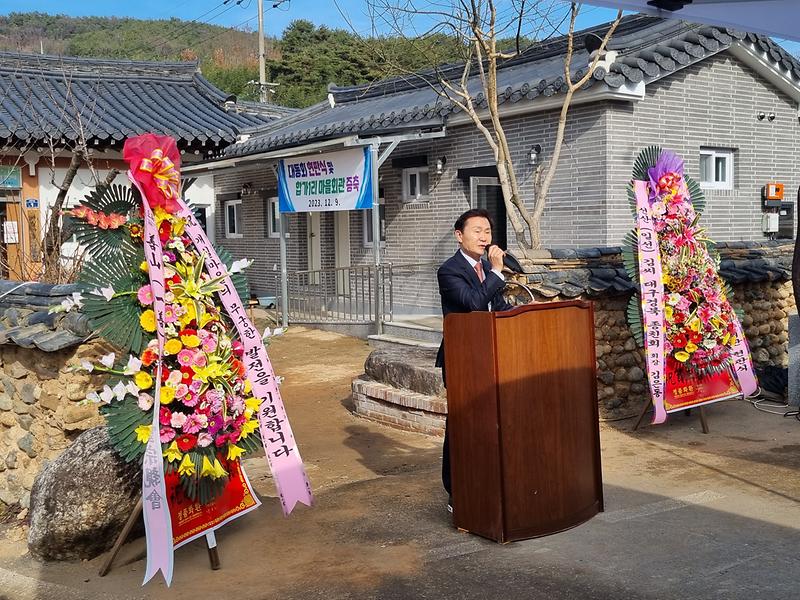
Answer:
(510, 262)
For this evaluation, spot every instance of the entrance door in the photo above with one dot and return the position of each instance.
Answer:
(341, 233)
(485, 192)
(313, 245)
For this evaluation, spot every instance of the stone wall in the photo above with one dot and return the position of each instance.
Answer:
(42, 409)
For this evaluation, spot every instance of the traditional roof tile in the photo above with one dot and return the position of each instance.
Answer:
(648, 48)
(107, 101)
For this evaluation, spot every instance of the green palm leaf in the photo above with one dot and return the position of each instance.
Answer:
(634, 315)
(647, 158)
(104, 243)
(696, 195)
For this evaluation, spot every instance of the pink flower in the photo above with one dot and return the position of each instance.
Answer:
(167, 434)
(181, 390)
(199, 359)
(235, 404)
(204, 439)
(178, 420)
(192, 424)
(209, 344)
(145, 295)
(186, 357)
(170, 313)
(191, 400)
(195, 386)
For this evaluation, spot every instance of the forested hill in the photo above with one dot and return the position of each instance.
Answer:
(303, 61)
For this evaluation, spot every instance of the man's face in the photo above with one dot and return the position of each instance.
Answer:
(477, 235)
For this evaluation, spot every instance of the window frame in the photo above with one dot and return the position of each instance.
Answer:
(272, 232)
(228, 233)
(366, 224)
(714, 153)
(406, 176)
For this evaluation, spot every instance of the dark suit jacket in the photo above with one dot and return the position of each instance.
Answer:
(462, 291)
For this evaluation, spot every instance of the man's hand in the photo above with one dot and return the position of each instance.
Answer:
(496, 257)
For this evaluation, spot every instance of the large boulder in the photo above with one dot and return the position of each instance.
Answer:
(406, 367)
(81, 500)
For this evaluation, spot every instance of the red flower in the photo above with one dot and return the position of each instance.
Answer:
(678, 317)
(164, 231)
(695, 337)
(238, 366)
(679, 341)
(186, 442)
(187, 374)
(238, 348)
(149, 356)
(164, 416)
(164, 373)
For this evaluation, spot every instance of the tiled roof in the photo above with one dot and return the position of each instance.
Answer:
(648, 49)
(25, 319)
(41, 96)
(599, 271)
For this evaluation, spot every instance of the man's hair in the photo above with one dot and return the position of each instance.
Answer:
(473, 212)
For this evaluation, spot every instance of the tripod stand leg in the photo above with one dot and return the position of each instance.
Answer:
(137, 510)
(703, 423)
(645, 407)
(213, 555)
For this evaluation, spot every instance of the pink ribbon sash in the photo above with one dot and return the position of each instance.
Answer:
(281, 451)
(157, 522)
(652, 291)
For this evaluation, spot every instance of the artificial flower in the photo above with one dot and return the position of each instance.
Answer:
(167, 434)
(172, 346)
(148, 320)
(145, 295)
(143, 380)
(186, 441)
(143, 433)
(186, 468)
(172, 453)
(167, 394)
(234, 452)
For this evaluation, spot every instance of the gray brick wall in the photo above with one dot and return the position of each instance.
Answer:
(712, 103)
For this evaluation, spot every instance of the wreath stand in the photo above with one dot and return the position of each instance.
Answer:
(647, 405)
(211, 542)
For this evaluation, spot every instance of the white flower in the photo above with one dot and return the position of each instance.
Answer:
(120, 390)
(66, 306)
(134, 365)
(108, 360)
(93, 397)
(77, 299)
(278, 379)
(106, 292)
(145, 401)
(278, 331)
(239, 265)
(132, 389)
(87, 366)
(107, 395)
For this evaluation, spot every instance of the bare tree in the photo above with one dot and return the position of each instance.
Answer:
(488, 37)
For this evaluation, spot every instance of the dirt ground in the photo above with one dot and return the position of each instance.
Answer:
(719, 508)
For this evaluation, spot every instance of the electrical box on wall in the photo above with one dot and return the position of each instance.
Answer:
(772, 195)
(769, 222)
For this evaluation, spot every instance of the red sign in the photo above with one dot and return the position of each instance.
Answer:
(190, 519)
(685, 392)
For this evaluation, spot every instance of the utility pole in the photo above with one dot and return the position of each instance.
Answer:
(262, 60)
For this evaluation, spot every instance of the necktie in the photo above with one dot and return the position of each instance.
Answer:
(479, 271)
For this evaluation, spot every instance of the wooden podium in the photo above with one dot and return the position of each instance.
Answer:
(523, 419)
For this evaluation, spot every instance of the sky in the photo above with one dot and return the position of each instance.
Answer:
(343, 14)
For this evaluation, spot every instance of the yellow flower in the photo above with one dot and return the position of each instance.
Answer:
(167, 394)
(190, 341)
(144, 266)
(148, 320)
(178, 226)
(143, 380)
(682, 356)
(248, 387)
(213, 370)
(665, 278)
(695, 325)
(187, 466)
(205, 319)
(234, 452)
(143, 433)
(173, 346)
(726, 337)
(172, 453)
(691, 347)
(207, 468)
(249, 427)
(189, 312)
(668, 312)
(160, 214)
(252, 403)
(218, 471)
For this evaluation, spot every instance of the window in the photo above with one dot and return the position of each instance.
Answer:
(415, 184)
(233, 219)
(716, 168)
(273, 217)
(367, 224)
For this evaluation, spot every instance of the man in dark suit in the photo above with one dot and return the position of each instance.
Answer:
(469, 282)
